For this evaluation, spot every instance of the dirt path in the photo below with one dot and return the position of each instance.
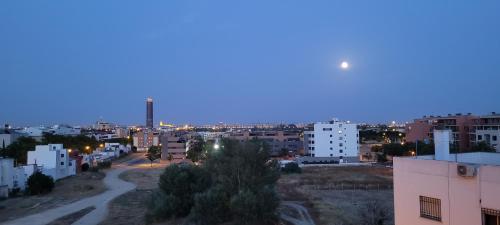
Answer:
(301, 215)
(115, 186)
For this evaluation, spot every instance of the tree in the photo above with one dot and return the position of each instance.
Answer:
(292, 167)
(177, 188)
(196, 150)
(482, 146)
(243, 174)
(154, 153)
(18, 149)
(39, 183)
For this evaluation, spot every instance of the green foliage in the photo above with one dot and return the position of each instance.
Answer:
(241, 168)
(255, 208)
(235, 184)
(18, 149)
(39, 183)
(292, 167)
(482, 147)
(177, 188)
(154, 153)
(104, 164)
(196, 150)
(79, 142)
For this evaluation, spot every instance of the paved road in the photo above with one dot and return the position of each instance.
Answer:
(116, 187)
(304, 217)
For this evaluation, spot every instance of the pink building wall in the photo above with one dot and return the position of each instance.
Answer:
(461, 198)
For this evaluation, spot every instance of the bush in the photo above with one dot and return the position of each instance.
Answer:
(39, 183)
(250, 208)
(85, 167)
(291, 168)
(177, 188)
(104, 164)
(211, 207)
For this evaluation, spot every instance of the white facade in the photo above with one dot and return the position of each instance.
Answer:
(11, 177)
(65, 130)
(52, 160)
(451, 189)
(333, 139)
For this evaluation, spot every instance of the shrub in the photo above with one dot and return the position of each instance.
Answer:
(255, 208)
(211, 207)
(177, 188)
(291, 168)
(39, 183)
(85, 167)
(104, 164)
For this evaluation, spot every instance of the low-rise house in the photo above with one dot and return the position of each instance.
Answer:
(11, 178)
(53, 160)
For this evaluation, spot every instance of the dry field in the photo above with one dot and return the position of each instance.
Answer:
(65, 191)
(340, 195)
(130, 207)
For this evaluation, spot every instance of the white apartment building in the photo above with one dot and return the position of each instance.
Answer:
(337, 140)
(52, 160)
(11, 177)
(448, 189)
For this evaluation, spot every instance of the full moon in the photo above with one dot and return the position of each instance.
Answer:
(344, 65)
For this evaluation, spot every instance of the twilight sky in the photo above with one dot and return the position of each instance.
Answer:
(246, 61)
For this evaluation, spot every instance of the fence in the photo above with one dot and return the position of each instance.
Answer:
(350, 186)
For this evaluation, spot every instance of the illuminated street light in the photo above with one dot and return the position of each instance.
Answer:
(216, 146)
(101, 145)
(344, 65)
(87, 147)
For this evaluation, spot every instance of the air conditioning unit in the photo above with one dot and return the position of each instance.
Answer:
(465, 170)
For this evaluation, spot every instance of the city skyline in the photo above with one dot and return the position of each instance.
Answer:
(204, 62)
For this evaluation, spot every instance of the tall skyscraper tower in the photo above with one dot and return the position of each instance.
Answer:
(149, 113)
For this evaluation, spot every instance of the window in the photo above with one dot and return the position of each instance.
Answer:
(327, 129)
(341, 157)
(62, 163)
(341, 151)
(490, 217)
(70, 163)
(479, 137)
(62, 155)
(331, 135)
(340, 144)
(430, 208)
(331, 142)
(341, 138)
(331, 148)
(494, 138)
(331, 155)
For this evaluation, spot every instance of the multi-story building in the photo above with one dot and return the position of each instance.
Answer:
(145, 138)
(7, 137)
(450, 189)
(174, 144)
(334, 140)
(52, 160)
(149, 113)
(65, 130)
(277, 140)
(487, 129)
(460, 125)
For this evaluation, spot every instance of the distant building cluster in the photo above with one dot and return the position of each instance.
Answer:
(467, 130)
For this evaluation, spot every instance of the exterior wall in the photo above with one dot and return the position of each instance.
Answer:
(460, 125)
(333, 139)
(175, 144)
(145, 139)
(461, 198)
(7, 172)
(487, 129)
(53, 160)
(418, 130)
(277, 140)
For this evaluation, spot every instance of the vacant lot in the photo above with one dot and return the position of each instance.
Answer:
(341, 195)
(130, 207)
(65, 191)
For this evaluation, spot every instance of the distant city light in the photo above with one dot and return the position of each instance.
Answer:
(344, 65)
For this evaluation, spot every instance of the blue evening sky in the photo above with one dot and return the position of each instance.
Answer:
(246, 61)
